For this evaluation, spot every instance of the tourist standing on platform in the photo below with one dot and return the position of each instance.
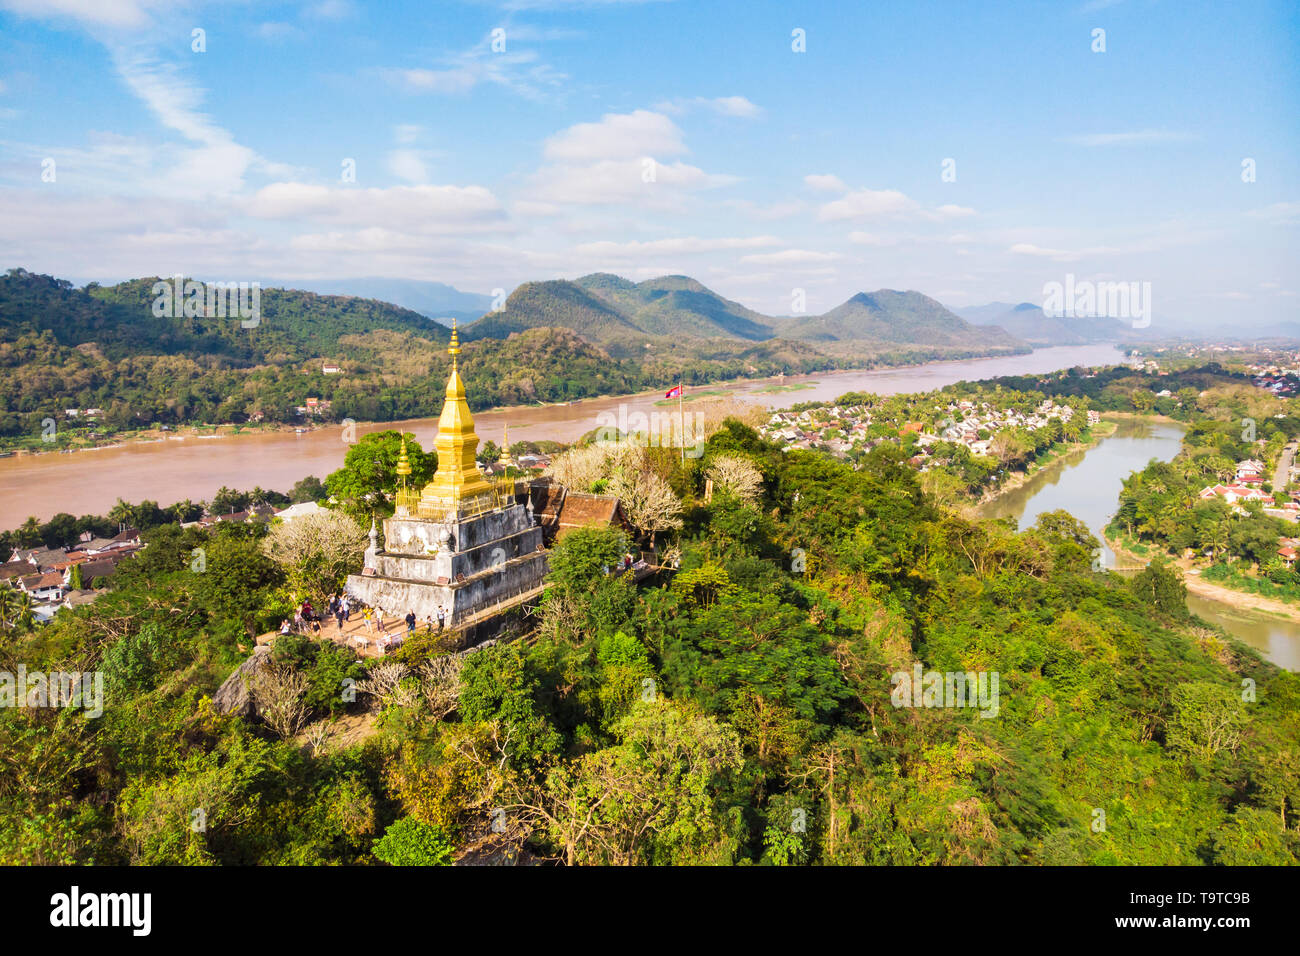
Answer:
(340, 614)
(369, 620)
(410, 623)
(379, 615)
(442, 618)
(429, 620)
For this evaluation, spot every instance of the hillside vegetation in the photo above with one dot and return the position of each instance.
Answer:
(743, 708)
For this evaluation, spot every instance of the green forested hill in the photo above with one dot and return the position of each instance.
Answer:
(895, 318)
(556, 303)
(678, 305)
(294, 324)
(63, 347)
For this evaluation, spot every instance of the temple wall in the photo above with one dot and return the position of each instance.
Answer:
(398, 597)
(419, 536)
(449, 564)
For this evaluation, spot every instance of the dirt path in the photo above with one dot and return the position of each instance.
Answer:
(1239, 600)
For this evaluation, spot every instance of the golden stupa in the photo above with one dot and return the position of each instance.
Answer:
(458, 486)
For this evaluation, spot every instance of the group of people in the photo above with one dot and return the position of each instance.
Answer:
(305, 619)
(625, 564)
(341, 606)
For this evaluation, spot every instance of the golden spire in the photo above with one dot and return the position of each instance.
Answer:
(403, 465)
(505, 446)
(458, 485)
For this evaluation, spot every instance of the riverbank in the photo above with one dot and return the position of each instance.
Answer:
(1018, 479)
(1033, 361)
(1196, 584)
(153, 436)
(43, 485)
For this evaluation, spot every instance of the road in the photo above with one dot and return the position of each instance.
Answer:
(1282, 475)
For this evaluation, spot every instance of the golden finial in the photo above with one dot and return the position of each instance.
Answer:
(454, 349)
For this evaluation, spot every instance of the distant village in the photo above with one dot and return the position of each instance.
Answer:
(846, 429)
(66, 577)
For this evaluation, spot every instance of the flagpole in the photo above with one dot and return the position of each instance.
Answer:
(681, 411)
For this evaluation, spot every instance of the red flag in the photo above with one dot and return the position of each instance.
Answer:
(673, 392)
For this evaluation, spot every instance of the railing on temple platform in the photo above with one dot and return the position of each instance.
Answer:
(410, 503)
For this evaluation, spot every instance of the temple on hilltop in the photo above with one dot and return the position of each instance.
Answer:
(462, 543)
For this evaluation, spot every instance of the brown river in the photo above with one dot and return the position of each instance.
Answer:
(179, 468)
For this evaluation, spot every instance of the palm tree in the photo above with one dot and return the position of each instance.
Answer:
(121, 513)
(25, 618)
(8, 607)
(1217, 536)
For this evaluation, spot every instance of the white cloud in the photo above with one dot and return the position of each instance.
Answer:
(217, 163)
(826, 183)
(458, 80)
(738, 106)
(868, 204)
(870, 239)
(791, 257)
(406, 164)
(112, 13)
(1280, 213)
(519, 71)
(620, 181)
(1029, 249)
(947, 211)
(883, 204)
(776, 210)
(617, 136)
(674, 246)
(407, 133)
(417, 209)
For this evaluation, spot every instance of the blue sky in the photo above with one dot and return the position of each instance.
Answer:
(770, 170)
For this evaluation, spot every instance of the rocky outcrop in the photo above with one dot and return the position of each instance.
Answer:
(235, 695)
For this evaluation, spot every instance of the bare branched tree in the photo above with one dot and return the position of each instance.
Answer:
(648, 501)
(278, 691)
(739, 475)
(440, 684)
(387, 682)
(318, 550)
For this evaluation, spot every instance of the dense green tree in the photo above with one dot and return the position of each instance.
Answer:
(409, 842)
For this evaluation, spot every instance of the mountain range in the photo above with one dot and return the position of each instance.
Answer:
(1027, 323)
(676, 314)
(109, 347)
